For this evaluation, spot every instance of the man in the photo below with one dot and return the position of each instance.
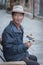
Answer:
(12, 39)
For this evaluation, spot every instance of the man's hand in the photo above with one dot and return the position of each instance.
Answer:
(28, 44)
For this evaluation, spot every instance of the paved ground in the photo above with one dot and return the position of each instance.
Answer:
(31, 26)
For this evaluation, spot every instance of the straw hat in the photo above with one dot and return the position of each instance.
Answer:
(18, 8)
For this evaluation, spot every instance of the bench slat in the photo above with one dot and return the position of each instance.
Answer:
(13, 63)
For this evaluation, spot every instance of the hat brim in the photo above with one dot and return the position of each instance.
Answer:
(19, 12)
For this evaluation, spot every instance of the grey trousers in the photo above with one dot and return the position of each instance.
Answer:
(32, 60)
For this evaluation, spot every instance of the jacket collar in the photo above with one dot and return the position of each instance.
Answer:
(15, 28)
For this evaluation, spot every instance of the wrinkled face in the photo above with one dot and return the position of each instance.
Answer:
(17, 18)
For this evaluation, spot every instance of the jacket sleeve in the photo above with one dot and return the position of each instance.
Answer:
(10, 43)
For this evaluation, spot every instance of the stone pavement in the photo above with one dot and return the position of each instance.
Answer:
(31, 26)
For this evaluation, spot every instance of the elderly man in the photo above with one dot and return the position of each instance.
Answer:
(12, 39)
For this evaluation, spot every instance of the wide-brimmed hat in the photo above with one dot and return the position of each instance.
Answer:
(18, 8)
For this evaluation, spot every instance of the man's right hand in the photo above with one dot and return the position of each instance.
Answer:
(28, 44)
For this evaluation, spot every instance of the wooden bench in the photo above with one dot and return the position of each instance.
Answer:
(3, 62)
(13, 63)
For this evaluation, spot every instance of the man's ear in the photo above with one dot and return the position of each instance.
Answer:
(23, 15)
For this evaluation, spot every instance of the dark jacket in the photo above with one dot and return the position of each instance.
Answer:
(12, 41)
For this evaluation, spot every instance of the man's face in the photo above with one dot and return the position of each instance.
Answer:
(17, 18)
